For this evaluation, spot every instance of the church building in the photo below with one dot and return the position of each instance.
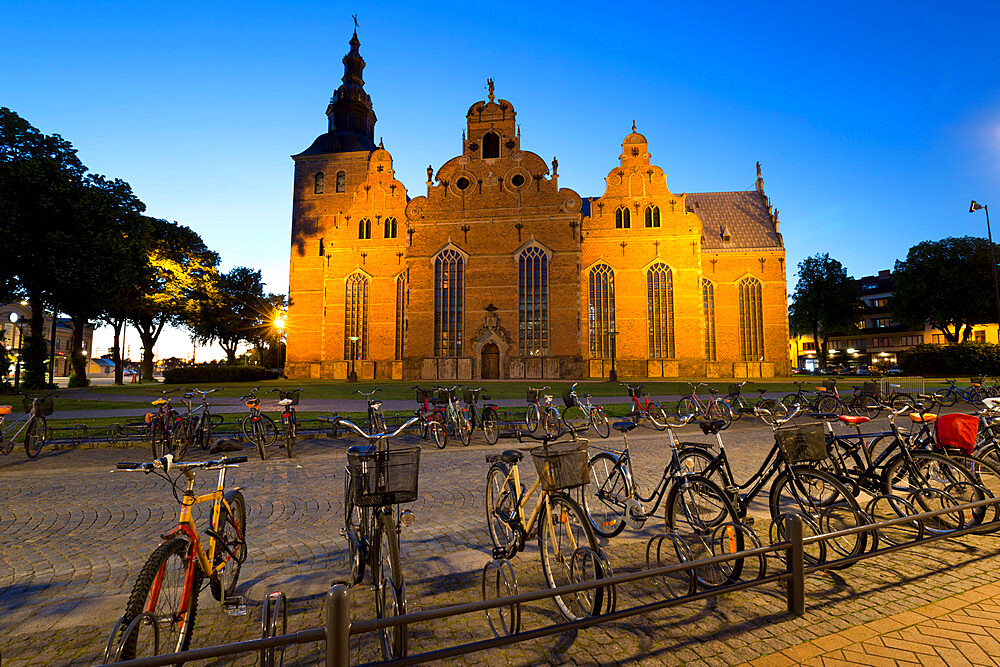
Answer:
(497, 272)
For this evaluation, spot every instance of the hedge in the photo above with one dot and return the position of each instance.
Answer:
(204, 373)
(963, 359)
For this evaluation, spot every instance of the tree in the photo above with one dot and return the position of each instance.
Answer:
(38, 176)
(230, 313)
(181, 269)
(826, 300)
(946, 283)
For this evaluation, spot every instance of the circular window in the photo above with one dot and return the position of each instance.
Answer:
(517, 180)
(462, 183)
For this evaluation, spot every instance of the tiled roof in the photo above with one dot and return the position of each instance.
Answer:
(743, 216)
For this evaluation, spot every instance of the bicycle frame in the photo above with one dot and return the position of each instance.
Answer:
(517, 522)
(186, 524)
(21, 423)
(659, 492)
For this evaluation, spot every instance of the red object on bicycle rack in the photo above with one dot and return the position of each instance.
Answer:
(958, 431)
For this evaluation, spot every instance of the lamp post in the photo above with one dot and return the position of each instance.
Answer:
(16, 319)
(352, 376)
(280, 322)
(993, 260)
(613, 375)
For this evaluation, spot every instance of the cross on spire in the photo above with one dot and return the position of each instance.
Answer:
(355, 17)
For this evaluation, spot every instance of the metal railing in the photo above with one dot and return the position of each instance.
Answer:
(339, 628)
(904, 385)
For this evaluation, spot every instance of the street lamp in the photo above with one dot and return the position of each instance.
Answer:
(973, 207)
(352, 376)
(280, 321)
(17, 319)
(613, 375)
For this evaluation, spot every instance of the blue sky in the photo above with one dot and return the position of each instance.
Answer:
(875, 123)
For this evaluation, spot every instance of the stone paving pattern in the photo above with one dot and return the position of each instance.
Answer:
(73, 537)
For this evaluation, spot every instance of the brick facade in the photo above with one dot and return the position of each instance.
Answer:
(488, 274)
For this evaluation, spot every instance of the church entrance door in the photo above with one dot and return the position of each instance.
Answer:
(491, 362)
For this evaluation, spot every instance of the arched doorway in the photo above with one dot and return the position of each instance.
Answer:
(491, 361)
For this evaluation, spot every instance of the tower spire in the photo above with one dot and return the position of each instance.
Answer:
(351, 116)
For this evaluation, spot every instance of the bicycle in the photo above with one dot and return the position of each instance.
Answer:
(714, 408)
(695, 509)
(256, 426)
(646, 409)
(484, 418)
(31, 424)
(432, 420)
(797, 486)
(164, 425)
(166, 591)
(379, 479)
(376, 420)
(740, 405)
(456, 419)
(544, 415)
(200, 425)
(560, 524)
(588, 412)
(288, 399)
(950, 395)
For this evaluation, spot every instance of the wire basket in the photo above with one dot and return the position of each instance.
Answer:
(869, 388)
(802, 444)
(444, 395)
(569, 398)
(46, 406)
(423, 395)
(635, 391)
(562, 465)
(384, 478)
(830, 384)
(533, 395)
(735, 389)
(471, 395)
(291, 395)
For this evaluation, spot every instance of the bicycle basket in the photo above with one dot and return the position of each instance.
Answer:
(293, 395)
(802, 443)
(956, 430)
(869, 388)
(444, 394)
(384, 478)
(635, 391)
(569, 399)
(423, 395)
(470, 396)
(830, 384)
(46, 406)
(976, 380)
(533, 395)
(735, 389)
(562, 465)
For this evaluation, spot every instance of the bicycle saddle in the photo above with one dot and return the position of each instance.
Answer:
(713, 391)
(624, 427)
(712, 427)
(851, 419)
(285, 401)
(762, 391)
(361, 449)
(5, 409)
(917, 418)
(511, 455)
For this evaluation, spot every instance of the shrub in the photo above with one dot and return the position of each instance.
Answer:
(964, 359)
(205, 373)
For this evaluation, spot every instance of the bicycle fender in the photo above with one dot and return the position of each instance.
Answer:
(228, 495)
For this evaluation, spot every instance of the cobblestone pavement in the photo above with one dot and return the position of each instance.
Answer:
(73, 537)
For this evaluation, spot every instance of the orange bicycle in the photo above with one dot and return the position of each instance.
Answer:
(164, 601)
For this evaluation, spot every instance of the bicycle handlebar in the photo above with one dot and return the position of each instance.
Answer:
(165, 391)
(283, 391)
(340, 421)
(167, 463)
(206, 393)
(553, 439)
(368, 394)
(769, 417)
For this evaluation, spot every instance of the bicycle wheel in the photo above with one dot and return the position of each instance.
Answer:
(114, 434)
(205, 431)
(160, 440)
(695, 508)
(722, 411)
(34, 436)
(866, 405)
(946, 397)
(289, 435)
(694, 458)
(532, 418)
(182, 436)
(377, 422)
(776, 408)
(161, 589)
(390, 588)
(901, 400)
(829, 405)
(564, 528)
(987, 474)
(738, 406)
(463, 429)
(550, 421)
(599, 421)
(355, 524)
(606, 496)
(792, 400)
(686, 407)
(501, 500)
(491, 426)
(657, 416)
(820, 498)
(942, 477)
(232, 548)
(438, 433)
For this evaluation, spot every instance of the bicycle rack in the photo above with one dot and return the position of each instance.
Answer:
(602, 570)
(505, 585)
(776, 533)
(723, 534)
(113, 651)
(894, 507)
(269, 626)
(927, 498)
(677, 552)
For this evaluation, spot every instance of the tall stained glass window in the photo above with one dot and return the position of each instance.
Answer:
(400, 314)
(356, 317)
(533, 302)
(751, 320)
(708, 307)
(449, 285)
(660, 311)
(601, 310)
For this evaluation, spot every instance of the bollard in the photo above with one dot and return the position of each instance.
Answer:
(795, 586)
(338, 626)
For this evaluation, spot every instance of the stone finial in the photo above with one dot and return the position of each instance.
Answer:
(489, 82)
(430, 173)
(555, 166)
(760, 180)
(633, 126)
(380, 142)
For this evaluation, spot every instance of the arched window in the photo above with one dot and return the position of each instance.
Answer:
(341, 181)
(623, 219)
(365, 229)
(533, 302)
(652, 216)
(491, 145)
(660, 311)
(708, 307)
(449, 285)
(390, 228)
(356, 317)
(601, 310)
(751, 320)
(318, 183)
(400, 313)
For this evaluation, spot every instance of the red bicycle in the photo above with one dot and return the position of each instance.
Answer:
(715, 408)
(645, 409)
(432, 418)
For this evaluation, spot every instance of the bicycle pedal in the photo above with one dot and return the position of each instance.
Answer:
(748, 521)
(235, 606)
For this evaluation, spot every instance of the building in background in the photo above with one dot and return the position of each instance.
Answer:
(495, 271)
(13, 333)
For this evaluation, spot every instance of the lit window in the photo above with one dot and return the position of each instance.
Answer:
(341, 181)
(356, 317)
(400, 314)
(601, 310)
(751, 320)
(390, 228)
(660, 311)
(708, 308)
(652, 216)
(318, 183)
(533, 302)
(623, 219)
(449, 284)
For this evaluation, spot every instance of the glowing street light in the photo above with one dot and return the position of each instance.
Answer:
(352, 376)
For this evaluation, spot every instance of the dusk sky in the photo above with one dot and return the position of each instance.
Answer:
(875, 123)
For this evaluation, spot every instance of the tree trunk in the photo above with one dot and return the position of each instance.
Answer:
(78, 358)
(820, 345)
(230, 352)
(149, 332)
(116, 352)
(33, 353)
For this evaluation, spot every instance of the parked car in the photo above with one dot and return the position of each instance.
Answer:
(895, 370)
